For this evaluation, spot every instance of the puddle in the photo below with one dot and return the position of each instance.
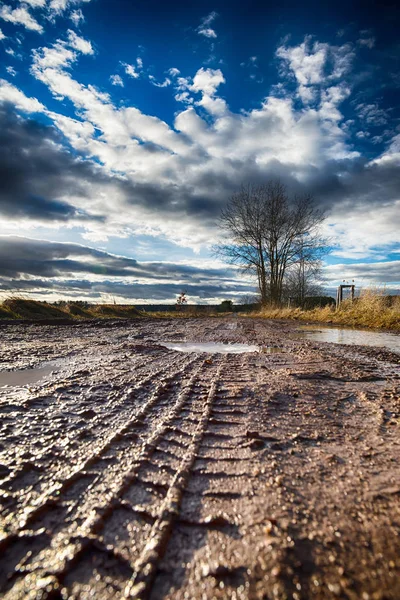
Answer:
(336, 335)
(25, 376)
(211, 347)
(271, 350)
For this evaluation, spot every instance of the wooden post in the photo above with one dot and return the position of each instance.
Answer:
(339, 293)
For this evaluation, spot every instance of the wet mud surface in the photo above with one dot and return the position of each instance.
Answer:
(128, 470)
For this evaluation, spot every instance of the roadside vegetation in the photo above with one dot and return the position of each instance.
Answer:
(371, 309)
(33, 310)
(21, 308)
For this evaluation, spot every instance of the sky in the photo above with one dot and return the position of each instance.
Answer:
(126, 126)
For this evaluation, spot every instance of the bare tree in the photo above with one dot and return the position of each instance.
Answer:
(267, 233)
(181, 301)
(303, 280)
(243, 221)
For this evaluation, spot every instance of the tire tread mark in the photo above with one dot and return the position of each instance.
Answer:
(145, 567)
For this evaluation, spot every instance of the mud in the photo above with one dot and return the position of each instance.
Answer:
(135, 471)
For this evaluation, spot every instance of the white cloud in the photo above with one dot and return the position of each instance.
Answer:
(59, 55)
(130, 70)
(184, 97)
(391, 156)
(79, 43)
(315, 65)
(207, 32)
(77, 17)
(207, 81)
(204, 27)
(164, 84)
(273, 132)
(367, 42)
(9, 93)
(10, 51)
(57, 8)
(164, 174)
(36, 3)
(174, 72)
(306, 61)
(20, 16)
(2, 36)
(55, 57)
(133, 70)
(116, 80)
(11, 71)
(372, 114)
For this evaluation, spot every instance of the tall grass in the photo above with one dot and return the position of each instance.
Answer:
(371, 309)
(22, 308)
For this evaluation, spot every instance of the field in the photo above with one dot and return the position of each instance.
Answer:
(134, 471)
(372, 309)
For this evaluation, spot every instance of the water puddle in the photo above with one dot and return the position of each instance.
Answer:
(25, 376)
(336, 335)
(271, 350)
(211, 347)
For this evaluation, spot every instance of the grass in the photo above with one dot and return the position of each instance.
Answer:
(372, 309)
(20, 308)
(32, 310)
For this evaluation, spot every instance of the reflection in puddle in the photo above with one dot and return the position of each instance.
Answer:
(271, 350)
(212, 347)
(25, 376)
(336, 335)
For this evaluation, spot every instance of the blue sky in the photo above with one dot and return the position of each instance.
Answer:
(127, 125)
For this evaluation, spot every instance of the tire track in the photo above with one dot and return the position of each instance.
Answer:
(212, 493)
(139, 390)
(146, 565)
(83, 532)
(53, 496)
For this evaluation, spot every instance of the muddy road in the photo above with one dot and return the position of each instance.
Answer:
(128, 470)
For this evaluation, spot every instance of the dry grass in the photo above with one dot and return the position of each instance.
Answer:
(22, 308)
(188, 312)
(372, 309)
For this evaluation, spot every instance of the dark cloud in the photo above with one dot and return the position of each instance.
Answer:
(35, 172)
(28, 265)
(378, 272)
(144, 291)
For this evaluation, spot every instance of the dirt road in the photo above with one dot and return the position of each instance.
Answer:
(134, 471)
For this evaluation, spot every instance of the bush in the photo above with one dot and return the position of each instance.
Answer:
(312, 302)
(226, 306)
